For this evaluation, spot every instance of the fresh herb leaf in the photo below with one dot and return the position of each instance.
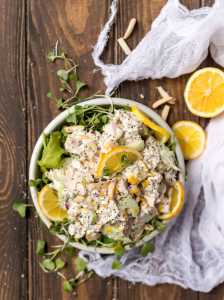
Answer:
(157, 224)
(104, 119)
(106, 171)
(119, 249)
(38, 183)
(72, 76)
(160, 226)
(60, 102)
(116, 265)
(69, 251)
(51, 56)
(147, 248)
(50, 95)
(54, 54)
(52, 153)
(79, 85)
(80, 264)
(172, 145)
(63, 74)
(47, 265)
(68, 286)
(40, 247)
(106, 240)
(59, 263)
(20, 208)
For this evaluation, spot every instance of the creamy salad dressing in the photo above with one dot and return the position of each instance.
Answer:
(120, 205)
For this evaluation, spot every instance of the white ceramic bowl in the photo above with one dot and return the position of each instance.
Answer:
(33, 170)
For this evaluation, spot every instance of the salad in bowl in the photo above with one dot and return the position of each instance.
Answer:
(107, 174)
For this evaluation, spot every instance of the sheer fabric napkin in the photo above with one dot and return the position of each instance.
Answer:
(191, 251)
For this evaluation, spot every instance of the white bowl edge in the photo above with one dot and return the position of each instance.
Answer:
(57, 122)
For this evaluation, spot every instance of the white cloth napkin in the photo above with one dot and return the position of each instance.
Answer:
(191, 251)
(177, 43)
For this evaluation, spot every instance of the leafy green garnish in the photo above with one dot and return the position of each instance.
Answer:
(119, 249)
(157, 224)
(71, 85)
(68, 286)
(20, 208)
(52, 152)
(80, 264)
(172, 145)
(116, 265)
(147, 248)
(79, 85)
(47, 265)
(106, 171)
(59, 264)
(92, 116)
(40, 247)
(69, 250)
(37, 183)
(63, 74)
(55, 54)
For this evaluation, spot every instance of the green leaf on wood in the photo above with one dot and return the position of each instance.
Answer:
(20, 208)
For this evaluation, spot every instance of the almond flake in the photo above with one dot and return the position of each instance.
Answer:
(130, 28)
(165, 112)
(162, 92)
(124, 46)
(162, 101)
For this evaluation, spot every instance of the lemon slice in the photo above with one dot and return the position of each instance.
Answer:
(176, 201)
(116, 160)
(49, 204)
(192, 138)
(161, 133)
(204, 92)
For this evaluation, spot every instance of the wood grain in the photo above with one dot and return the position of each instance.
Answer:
(13, 251)
(76, 25)
(29, 29)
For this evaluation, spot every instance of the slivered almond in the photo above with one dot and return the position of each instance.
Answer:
(130, 28)
(162, 92)
(165, 112)
(124, 46)
(162, 101)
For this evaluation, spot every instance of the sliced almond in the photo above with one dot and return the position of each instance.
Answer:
(165, 112)
(130, 28)
(162, 92)
(162, 101)
(124, 46)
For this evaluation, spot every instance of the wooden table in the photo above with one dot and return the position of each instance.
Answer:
(29, 28)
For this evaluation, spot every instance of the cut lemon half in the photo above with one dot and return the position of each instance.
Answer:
(116, 160)
(192, 138)
(161, 133)
(176, 201)
(49, 204)
(204, 92)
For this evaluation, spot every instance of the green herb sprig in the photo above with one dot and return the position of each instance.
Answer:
(21, 208)
(70, 83)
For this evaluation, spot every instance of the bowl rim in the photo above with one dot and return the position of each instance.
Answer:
(57, 121)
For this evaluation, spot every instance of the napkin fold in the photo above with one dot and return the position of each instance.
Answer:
(190, 253)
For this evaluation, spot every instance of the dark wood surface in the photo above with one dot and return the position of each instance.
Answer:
(29, 28)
